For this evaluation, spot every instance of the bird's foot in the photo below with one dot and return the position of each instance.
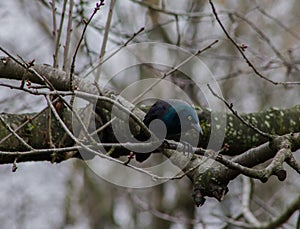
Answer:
(165, 144)
(187, 148)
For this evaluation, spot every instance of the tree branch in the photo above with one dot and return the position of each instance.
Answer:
(209, 181)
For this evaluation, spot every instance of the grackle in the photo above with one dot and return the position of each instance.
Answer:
(177, 116)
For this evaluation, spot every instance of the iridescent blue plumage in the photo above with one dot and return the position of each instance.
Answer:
(178, 116)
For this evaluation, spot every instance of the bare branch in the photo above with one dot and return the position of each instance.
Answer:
(86, 24)
(58, 35)
(68, 38)
(241, 51)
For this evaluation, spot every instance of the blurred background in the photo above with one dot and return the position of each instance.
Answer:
(69, 195)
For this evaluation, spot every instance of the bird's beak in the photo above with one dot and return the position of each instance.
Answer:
(197, 127)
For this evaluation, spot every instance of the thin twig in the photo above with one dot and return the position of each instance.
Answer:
(243, 54)
(115, 52)
(68, 38)
(173, 70)
(278, 22)
(12, 57)
(54, 30)
(107, 29)
(147, 206)
(180, 176)
(114, 103)
(262, 35)
(230, 106)
(84, 129)
(14, 132)
(57, 40)
(105, 37)
(173, 13)
(86, 23)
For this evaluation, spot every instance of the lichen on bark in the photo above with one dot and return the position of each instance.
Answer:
(240, 137)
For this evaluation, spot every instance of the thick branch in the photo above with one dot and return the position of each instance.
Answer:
(210, 182)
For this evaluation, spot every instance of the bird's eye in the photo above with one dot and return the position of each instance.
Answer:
(190, 118)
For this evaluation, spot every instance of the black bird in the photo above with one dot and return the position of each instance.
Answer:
(178, 117)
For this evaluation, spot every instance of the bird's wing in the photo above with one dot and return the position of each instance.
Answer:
(157, 111)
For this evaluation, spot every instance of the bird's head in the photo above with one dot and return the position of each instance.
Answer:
(183, 115)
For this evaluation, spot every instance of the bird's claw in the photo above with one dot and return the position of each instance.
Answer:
(187, 148)
(165, 144)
